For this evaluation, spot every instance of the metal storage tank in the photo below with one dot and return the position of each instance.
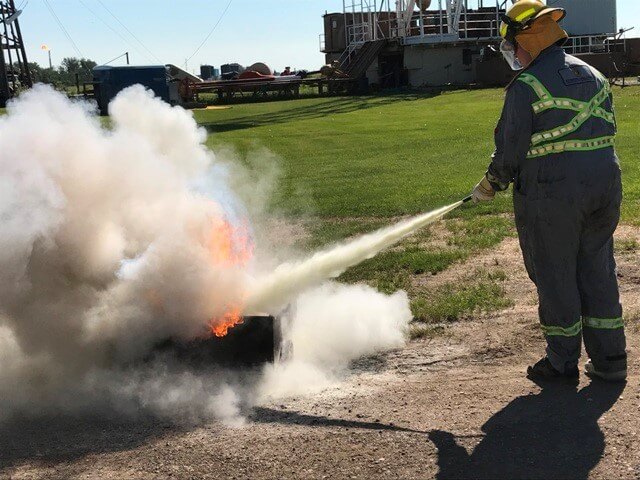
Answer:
(588, 17)
(231, 68)
(207, 72)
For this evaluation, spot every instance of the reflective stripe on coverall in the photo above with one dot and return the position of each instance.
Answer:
(554, 140)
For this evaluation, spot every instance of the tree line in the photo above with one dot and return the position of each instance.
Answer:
(64, 75)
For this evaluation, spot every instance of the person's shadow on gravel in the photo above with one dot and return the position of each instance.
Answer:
(68, 437)
(553, 434)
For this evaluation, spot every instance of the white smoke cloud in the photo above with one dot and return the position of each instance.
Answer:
(331, 326)
(106, 240)
(335, 323)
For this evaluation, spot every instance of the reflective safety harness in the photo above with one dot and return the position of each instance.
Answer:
(548, 142)
(576, 328)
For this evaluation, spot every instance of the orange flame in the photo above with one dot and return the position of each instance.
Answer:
(229, 320)
(229, 246)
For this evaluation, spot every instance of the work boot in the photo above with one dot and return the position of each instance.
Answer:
(618, 376)
(544, 371)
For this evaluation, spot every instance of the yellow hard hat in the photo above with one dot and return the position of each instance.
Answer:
(523, 13)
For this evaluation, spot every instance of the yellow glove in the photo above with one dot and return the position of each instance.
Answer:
(483, 191)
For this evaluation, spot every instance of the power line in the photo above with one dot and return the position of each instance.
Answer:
(211, 31)
(129, 31)
(124, 39)
(64, 30)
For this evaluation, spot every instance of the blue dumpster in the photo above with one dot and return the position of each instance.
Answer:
(108, 81)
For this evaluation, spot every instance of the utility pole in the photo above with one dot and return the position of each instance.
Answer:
(48, 50)
(4, 80)
(14, 69)
(127, 54)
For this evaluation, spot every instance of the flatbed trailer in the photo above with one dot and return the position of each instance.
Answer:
(288, 87)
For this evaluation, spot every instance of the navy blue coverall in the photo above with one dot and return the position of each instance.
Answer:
(554, 141)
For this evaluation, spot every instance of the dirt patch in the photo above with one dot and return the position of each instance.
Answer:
(285, 232)
(453, 406)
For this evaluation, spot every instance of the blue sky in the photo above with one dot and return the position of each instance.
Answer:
(277, 32)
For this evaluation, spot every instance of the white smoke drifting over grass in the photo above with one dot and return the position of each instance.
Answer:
(105, 249)
(104, 246)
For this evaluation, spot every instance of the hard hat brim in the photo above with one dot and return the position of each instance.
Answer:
(556, 13)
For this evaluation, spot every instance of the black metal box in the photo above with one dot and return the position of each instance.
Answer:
(255, 341)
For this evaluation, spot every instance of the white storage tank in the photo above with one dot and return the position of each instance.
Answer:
(588, 17)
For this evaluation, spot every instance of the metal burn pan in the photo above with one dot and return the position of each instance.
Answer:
(255, 341)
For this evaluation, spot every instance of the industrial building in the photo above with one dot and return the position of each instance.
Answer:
(454, 42)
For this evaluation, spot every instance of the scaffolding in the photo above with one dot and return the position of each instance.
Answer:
(410, 22)
(14, 69)
(453, 20)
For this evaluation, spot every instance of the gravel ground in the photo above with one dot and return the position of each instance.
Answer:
(455, 406)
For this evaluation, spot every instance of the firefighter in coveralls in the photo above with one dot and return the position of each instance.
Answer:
(555, 142)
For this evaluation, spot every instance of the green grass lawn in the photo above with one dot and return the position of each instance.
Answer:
(391, 155)
(374, 156)
(354, 162)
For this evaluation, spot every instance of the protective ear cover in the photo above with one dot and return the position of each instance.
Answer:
(541, 34)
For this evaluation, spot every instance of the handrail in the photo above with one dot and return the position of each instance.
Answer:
(586, 44)
(357, 34)
(433, 23)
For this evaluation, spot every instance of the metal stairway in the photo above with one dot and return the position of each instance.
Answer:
(359, 61)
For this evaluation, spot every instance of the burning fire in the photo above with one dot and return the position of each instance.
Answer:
(221, 326)
(229, 246)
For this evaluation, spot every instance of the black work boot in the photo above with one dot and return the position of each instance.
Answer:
(544, 371)
(615, 376)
